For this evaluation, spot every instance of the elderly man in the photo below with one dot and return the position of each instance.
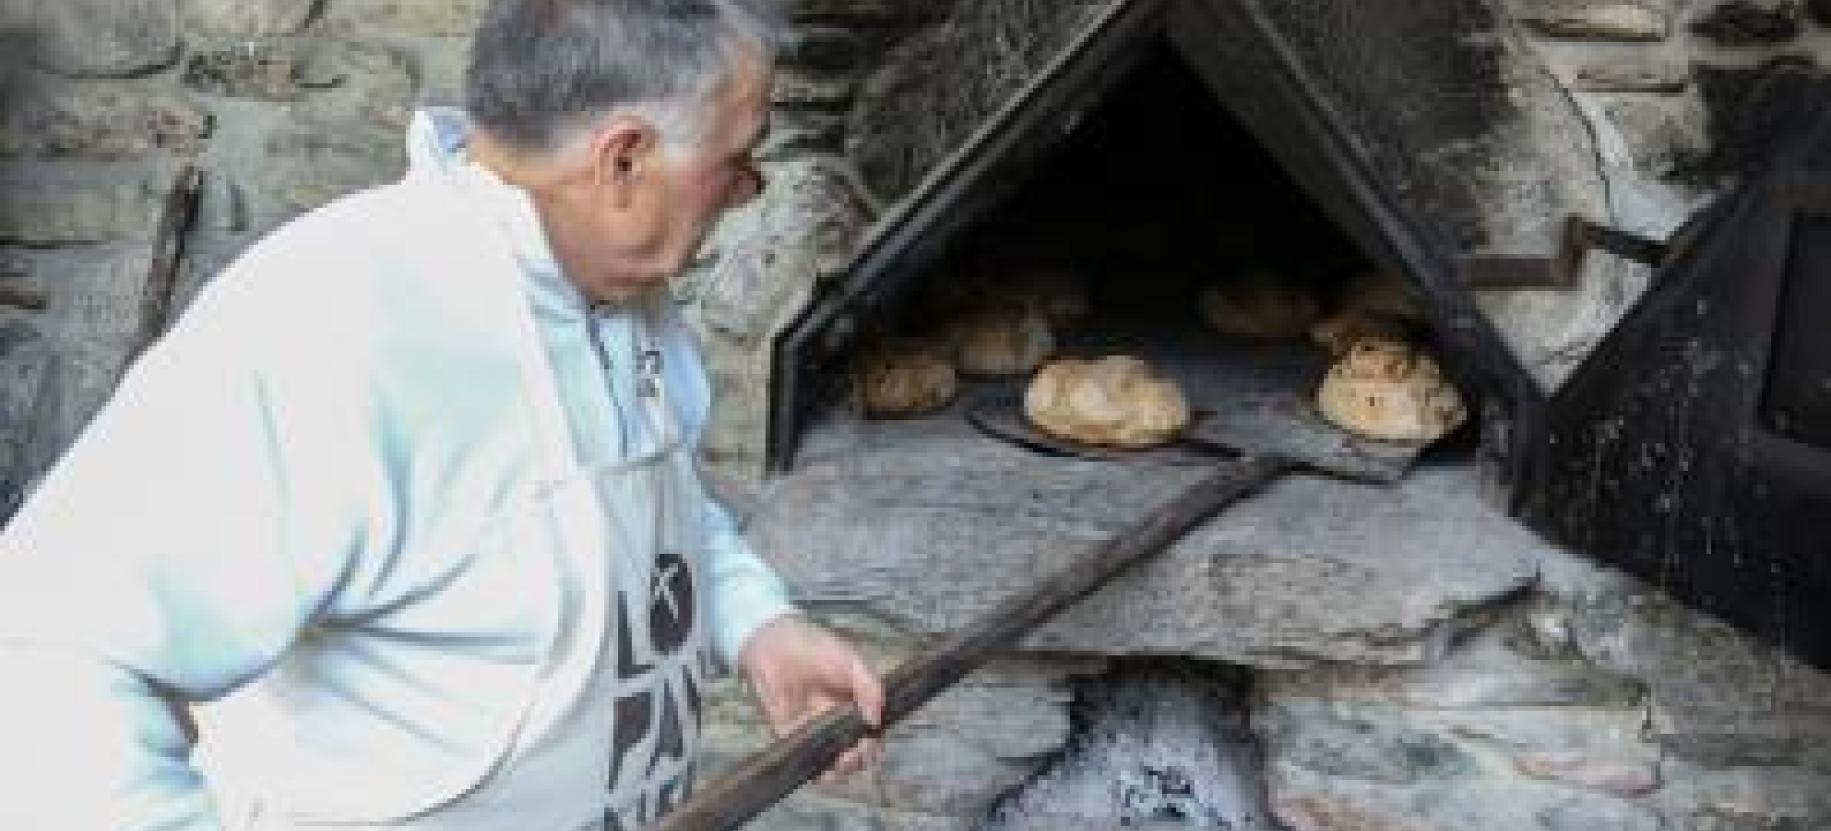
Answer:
(410, 487)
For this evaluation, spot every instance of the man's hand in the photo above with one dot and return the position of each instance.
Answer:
(798, 670)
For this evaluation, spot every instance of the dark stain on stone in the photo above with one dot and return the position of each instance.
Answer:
(1744, 23)
(1754, 111)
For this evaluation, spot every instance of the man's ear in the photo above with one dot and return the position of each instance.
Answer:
(621, 150)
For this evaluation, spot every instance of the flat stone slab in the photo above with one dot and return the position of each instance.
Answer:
(926, 524)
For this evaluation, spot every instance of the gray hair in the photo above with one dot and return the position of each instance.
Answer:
(540, 70)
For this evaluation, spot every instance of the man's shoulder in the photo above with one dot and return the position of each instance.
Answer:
(360, 271)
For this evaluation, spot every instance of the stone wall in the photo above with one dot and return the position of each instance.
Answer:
(1573, 699)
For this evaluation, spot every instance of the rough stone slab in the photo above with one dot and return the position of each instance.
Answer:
(224, 20)
(1664, 137)
(796, 91)
(1717, 697)
(64, 119)
(98, 38)
(24, 360)
(1457, 800)
(1617, 777)
(1594, 20)
(260, 70)
(762, 264)
(1631, 74)
(929, 524)
(1747, 798)
(429, 18)
(823, 50)
(87, 202)
(1479, 677)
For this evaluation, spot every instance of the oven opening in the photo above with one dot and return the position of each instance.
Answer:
(1159, 230)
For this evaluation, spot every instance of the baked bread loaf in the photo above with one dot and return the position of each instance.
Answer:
(1117, 401)
(1058, 294)
(1338, 332)
(896, 379)
(1002, 339)
(1388, 389)
(1257, 304)
(1379, 293)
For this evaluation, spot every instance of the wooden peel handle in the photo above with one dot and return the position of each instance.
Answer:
(765, 778)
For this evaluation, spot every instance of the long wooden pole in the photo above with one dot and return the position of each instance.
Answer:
(792, 760)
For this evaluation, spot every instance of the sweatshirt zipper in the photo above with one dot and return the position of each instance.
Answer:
(607, 368)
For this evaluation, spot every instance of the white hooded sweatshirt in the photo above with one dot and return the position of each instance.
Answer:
(318, 445)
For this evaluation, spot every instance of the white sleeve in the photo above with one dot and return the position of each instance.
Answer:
(745, 593)
(173, 554)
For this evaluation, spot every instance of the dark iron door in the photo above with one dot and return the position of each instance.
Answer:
(1694, 447)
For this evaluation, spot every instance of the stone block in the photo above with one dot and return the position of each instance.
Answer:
(1664, 138)
(1622, 73)
(1468, 678)
(823, 50)
(1584, 813)
(317, 158)
(364, 81)
(260, 70)
(1744, 799)
(227, 20)
(1618, 777)
(1364, 743)
(1597, 19)
(793, 134)
(1308, 802)
(101, 121)
(762, 265)
(869, 12)
(102, 38)
(81, 202)
(61, 377)
(797, 91)
(1718, 696)
(25, 358)
(429, 18)
(1751, 23)
(1310, 570)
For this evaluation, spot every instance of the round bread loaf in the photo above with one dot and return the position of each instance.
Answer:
(903, 378)
(1003, 339)
(1058, 294)
(1338, 332)
(1379, 293)
(1117, 401)
(1387, 389)
(1257, 304)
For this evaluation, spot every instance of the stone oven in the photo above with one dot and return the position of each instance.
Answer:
(1595, 606)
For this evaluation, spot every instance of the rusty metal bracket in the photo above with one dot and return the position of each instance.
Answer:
(1580, 237)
